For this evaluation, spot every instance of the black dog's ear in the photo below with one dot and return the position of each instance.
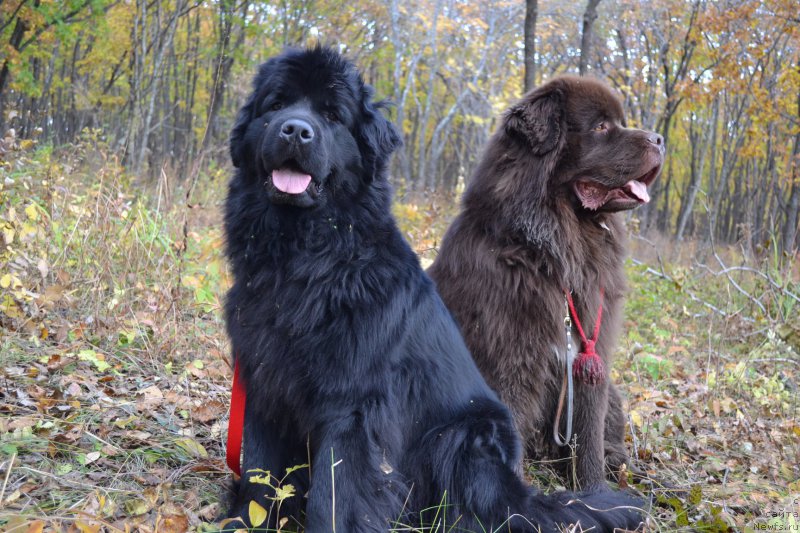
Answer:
(538, 119)
(377, 137)
(243, 118)
(247, 113)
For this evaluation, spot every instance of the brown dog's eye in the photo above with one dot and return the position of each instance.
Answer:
(602, 126)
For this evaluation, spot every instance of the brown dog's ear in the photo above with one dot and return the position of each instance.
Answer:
(538, 119)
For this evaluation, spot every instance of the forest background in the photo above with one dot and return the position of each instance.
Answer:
(114, 117)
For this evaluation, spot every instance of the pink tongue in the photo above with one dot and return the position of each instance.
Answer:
(290, 182)
(638, 189)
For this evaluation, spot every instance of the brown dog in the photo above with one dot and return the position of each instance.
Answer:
(539, 220)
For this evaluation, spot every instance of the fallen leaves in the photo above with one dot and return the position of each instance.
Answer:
(191, 447)
(117, 428)
(149, 398)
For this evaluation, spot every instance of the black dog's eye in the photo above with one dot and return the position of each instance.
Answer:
(276, 106)
(332, 116)
(601, 126)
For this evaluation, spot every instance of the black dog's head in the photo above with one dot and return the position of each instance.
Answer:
(310, 130)
(574, 131)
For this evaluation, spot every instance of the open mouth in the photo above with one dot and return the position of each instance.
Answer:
(594, 195)
(637, 189)
(291, 184)
(290, 181)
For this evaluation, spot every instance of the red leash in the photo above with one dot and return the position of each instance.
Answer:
(236, 423)
(588, 366)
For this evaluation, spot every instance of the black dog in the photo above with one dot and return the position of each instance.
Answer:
(351, 362)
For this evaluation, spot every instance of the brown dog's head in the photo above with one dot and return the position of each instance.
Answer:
(572, 135)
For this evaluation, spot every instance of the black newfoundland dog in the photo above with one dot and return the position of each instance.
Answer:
(540, 219)
(352, 364)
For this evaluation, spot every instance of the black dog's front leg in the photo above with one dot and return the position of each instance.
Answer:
(354, 488)
(266, 450)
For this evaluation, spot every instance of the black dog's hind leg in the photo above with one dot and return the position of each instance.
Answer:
(354, 487)
(472, 459)
(469, 468)
(266, 450)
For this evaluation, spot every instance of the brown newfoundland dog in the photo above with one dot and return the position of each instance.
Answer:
(540, 222)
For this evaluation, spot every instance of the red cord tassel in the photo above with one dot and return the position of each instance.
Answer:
(588, 366)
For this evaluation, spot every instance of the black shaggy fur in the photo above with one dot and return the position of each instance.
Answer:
(351, 362)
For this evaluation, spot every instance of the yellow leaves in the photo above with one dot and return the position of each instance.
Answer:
(282, 492)
(256, 513)
(191, 447)
(8, 231)
(477, 119)
(137, 507)
(27, 144)
(32, 212)
(7, 280)
(261, 479)
(13, 292)
(96, 359)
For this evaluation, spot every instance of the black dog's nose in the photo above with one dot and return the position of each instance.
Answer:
(656, 139)
(298, 131)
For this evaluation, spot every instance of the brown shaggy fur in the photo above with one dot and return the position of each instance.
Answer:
(539, 216)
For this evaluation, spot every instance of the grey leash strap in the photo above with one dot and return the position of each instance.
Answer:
(566, 385)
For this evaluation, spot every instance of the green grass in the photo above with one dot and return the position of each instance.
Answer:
(114, 359)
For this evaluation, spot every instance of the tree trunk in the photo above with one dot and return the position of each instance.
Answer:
(793, 208)
(163, 43)
(708, 227)
(15, 41)
(531, 12)
(699, 149)
(231, 35)
(589, 16)
(422, 161)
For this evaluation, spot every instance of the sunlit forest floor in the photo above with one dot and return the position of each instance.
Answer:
(115, 375)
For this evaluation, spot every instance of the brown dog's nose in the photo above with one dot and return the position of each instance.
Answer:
(656, 139)
(297, 131)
